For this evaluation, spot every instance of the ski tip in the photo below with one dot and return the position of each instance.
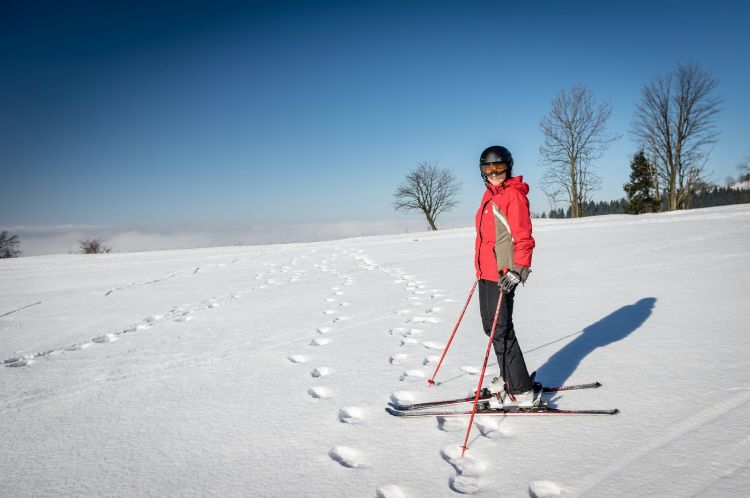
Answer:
(393, 412)
(597, 384)
(615, 411)
(396, 406)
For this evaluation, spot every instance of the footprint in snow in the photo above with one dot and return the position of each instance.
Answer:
(329, 312)
(184, 317)
(398, 358)
(424, 319)
(493, 427)
(434, 309)
(466, 485)
(344, 304)
(412, 375)
(338, 293)
(433, 358)
(469, 470)
(404, 332)
(324, 330)
(348, 457)
(331, 299)
(148, 322)
(409, 341)
(470, 370)
(320, 341)
(351, 415)
(340, 319)
(403, 397)
(389, 491)
(335, 288)
(452, 424)
(105, 338)
(298, 358)
(467, 465)
(24, 361)
(403, 312)
(432, 345)
(319, 392)
(321, 372)
(543, 489)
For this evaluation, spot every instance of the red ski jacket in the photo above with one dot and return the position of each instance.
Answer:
(503, 223)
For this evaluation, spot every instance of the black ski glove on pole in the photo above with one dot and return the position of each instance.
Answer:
(512, 278)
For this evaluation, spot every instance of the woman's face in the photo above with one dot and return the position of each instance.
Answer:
(497, 179)
(496, 173)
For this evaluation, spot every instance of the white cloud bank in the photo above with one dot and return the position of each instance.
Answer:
(64, 239)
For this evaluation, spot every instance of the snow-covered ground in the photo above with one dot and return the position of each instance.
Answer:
(264, 371)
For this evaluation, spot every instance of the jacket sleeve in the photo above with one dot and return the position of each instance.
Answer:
(519, 220)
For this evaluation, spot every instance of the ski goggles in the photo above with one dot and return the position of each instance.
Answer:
(493, 169)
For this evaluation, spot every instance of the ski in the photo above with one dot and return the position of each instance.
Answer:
(484, 397)
(541, 410)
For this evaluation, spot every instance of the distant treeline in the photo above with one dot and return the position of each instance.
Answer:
(719, 196)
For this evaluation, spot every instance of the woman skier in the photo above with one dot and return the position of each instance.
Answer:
(503, 259)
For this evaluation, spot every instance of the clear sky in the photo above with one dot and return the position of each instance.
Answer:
(278, 112)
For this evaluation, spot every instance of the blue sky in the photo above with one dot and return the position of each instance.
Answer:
(148, 114)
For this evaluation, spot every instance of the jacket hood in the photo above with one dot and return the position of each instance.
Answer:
(515, 182)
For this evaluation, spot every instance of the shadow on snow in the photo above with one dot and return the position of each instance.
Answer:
(614, 327)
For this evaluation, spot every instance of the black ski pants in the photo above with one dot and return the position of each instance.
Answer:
(509, 356)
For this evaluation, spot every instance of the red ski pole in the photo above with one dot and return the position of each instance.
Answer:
(431, 381)
(481, 376)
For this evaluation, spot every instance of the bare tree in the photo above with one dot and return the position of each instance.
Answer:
(675, 125)
(575, 136)
(429, 189)
(94, 246)
(744, 169)
(9, 245)
(554, 193)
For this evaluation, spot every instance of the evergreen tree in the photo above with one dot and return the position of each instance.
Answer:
(9, 245)
(640, 188)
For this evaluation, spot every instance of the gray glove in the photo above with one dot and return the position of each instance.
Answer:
(512, 278)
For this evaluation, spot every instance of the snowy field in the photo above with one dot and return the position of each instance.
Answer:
(265, 370)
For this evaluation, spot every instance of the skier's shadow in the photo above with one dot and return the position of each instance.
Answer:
(616, 326)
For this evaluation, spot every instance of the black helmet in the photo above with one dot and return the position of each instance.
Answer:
(496, 154)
